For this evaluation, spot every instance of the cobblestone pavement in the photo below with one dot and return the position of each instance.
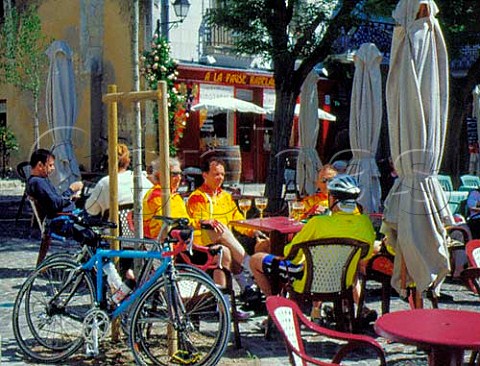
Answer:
(18, 249)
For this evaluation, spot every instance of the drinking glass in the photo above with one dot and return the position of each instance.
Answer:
(298, 208)
(245, 204)
(261, 203)
(290, 198)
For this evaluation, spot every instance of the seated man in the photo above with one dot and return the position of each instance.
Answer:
(214, 208)
(344, 222)
(43, 191)
(46, 195)
(99, 199)
(152, 206)
(318, 202)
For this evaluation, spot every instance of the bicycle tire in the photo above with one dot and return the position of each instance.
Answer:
(184, 268)
(188, 268)
(46, 332)
(198, 312)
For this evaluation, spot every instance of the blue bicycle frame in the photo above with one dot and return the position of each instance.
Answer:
(97, 261)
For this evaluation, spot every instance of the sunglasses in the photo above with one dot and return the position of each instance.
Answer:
(325, 180)
(175, 174)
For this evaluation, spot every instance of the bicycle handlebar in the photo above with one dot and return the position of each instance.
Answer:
(171, 221)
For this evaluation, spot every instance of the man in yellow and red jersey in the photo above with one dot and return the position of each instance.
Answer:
(214, 208)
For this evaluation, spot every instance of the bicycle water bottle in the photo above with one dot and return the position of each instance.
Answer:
(113, 278)
(125, 288)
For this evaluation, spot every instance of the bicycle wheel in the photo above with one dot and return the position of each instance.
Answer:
(183, 268)
(187, 268)
(184, 321)
(49, 310)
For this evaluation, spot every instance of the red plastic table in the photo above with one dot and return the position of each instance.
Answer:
(447, 333)
(277, 227)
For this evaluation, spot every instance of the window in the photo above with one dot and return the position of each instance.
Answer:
(3, 113)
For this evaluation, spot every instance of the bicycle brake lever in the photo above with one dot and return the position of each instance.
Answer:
(220, 258)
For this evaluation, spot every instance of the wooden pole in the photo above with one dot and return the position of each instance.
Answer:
(113, 176)
(164, 155)
(163, 147)
(113, 163)
(112, 99)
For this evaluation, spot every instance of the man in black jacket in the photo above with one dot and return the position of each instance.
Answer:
(43, 191)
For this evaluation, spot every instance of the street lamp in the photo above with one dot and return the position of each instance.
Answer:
(180, 7)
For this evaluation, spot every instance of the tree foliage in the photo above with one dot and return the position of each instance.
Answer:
(295, 35)
(158, 65)
(24, 62)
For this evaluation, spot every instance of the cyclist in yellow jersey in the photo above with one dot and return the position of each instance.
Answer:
(214, 208)
(152, 206)
(152, 201)
(345, 222)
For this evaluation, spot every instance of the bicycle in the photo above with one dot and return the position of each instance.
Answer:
(175, 316)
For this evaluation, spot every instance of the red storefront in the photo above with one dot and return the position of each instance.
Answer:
(250, 132)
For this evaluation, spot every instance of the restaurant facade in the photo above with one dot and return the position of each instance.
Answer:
(249, 133)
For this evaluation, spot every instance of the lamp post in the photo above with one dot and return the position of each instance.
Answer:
(180, 7)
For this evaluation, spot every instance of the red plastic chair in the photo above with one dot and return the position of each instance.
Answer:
(471, 275)
(289, 319)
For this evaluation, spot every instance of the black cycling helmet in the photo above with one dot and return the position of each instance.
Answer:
(343, 187)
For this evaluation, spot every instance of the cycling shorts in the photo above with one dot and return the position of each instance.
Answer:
(279, 268)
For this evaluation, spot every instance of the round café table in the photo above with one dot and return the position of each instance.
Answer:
(445, 333)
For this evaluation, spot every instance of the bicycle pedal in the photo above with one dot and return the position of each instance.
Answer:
(185, 358)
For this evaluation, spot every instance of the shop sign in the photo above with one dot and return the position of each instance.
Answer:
(239, 78)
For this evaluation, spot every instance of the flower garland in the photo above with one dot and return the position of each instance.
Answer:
(157, 66)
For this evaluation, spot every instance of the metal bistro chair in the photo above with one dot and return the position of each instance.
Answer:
(125, 220)
(45, 239)
(330, 270)
(23, 171)
(290, 320)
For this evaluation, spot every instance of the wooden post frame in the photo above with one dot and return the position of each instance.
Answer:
(111, 99)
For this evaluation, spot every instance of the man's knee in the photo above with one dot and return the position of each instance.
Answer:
(256, 261)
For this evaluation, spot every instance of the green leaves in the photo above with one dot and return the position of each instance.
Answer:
(8, 141)
(157, 65)
(24, 60)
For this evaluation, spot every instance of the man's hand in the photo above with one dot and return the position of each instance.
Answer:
(259, 235)
(215, 225)
(76, 186)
